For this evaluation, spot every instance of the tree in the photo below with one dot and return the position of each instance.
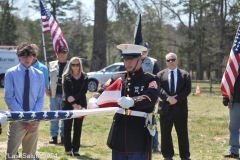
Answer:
(7, 25)
(79, 36)
(57, 7)
(99, 35)
(120, 31)
(152, 33)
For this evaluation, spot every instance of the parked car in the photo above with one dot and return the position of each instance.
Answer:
(8, 59)
(103, 75)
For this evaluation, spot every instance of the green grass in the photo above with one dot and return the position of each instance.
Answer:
(208, 133)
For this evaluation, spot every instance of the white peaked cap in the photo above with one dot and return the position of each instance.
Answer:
(131, 50)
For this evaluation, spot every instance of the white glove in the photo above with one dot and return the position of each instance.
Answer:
(3, 118)
(125, 102)
(92, 103)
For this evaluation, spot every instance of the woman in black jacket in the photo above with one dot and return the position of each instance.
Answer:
(75, 86)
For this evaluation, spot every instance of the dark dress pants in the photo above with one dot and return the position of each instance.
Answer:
(72, 144)
(180, 123)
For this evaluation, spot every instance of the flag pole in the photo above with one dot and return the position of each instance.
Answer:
(43, 38)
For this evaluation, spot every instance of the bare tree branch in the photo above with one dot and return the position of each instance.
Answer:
(174, 12)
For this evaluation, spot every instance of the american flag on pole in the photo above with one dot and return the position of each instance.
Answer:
(231, 72)
(50, 25)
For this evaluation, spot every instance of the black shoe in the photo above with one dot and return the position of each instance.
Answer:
(185, 158)
(231, 155)
(62, 140)
(76, 154)
(168, 158)
(53, 140)
(69, 153)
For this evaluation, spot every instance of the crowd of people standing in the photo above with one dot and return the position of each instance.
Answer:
(130, 137)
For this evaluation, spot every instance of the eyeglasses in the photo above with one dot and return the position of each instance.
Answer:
(75, 65)
(171, 60)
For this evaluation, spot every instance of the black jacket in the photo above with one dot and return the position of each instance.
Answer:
(183, 89)
(128, 134)
(80, 97)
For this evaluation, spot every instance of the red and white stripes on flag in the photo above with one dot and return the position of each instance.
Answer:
(232, 69)
(110, 95)
(50, 25)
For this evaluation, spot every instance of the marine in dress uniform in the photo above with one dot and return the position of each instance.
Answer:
(129, 137)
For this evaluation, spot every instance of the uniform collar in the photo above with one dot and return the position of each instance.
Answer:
(135, 73)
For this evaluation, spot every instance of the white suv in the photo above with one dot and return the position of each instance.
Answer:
(103, 75)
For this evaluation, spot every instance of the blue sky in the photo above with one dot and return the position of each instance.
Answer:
(88, 7)
(24, 11)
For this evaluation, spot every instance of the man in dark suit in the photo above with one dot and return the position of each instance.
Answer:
(175, 86)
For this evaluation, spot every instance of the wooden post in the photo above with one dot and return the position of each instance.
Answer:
(210, 84)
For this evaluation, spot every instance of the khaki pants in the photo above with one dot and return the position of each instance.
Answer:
(17, 135)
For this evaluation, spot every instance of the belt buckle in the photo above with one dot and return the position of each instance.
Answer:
(127, 112)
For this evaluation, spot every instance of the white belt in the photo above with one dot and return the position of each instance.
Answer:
(132, 113)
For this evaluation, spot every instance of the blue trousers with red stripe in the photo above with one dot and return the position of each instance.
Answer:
(129, 156)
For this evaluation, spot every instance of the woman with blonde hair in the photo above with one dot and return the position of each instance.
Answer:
(75, 86)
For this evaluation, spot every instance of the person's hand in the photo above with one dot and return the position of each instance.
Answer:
(125, 102)
(75, 106)
(71, 99)
(172, 100)
(225, 101)
(96, 95)
(48, 92)
(92, 103)
(31, 125)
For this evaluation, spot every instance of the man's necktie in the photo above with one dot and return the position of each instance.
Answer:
(26, 91)
(172, 83)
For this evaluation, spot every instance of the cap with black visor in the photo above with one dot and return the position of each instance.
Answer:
(130, 51)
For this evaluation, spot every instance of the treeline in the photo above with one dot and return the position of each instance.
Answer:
(202, 33)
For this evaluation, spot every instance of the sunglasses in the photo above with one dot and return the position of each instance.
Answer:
(171, 60)
(75, 65)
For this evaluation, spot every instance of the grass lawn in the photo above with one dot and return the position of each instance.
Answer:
(208, 133)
